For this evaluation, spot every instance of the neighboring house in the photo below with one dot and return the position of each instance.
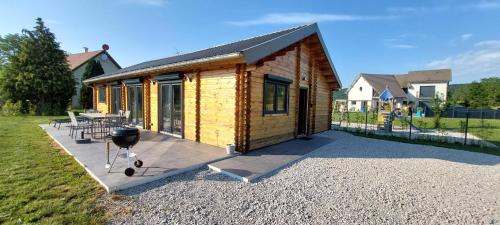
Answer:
(251, 93)
(77, 63)
(418, 87)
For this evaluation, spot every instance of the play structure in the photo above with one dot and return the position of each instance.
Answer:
(385, 111)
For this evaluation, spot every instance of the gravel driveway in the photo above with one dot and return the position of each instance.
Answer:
(354, 180)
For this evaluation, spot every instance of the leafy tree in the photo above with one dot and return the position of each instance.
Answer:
(92, 69)
(438, 106)
(483, 94)
(9, 46)
(38, 74)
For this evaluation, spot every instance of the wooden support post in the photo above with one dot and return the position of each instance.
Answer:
(314, 95)
(248, 100)
(198, 107)
(108, 97)
(237, 112)
(310, 94)
(94, 97)
(123, 96)
(147, 106)
(330, 109)
(297, 88)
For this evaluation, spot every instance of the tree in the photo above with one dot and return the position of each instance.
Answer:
(92, 69)
(9, 46)
(38, 73)
(438, 106)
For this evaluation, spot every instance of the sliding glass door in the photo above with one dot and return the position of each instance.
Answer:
(135, 104)
(116, 99)
(171, 108)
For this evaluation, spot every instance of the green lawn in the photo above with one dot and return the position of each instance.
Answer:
(38, 183)
(487, 129)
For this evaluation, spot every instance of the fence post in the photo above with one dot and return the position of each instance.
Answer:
(366, 121)
(411, 122)
(466, 126)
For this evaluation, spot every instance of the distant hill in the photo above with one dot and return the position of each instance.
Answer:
(341, 94)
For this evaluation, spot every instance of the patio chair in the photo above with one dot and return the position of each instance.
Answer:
(126, 118)
(77, 125)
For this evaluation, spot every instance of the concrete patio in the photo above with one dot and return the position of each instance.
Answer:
(258, 163)
(163, 156)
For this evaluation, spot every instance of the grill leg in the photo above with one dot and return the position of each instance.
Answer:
(113, 163)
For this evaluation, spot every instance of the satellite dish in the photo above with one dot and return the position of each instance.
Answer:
(105, 47)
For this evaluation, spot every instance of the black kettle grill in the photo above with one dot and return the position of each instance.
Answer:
(125, 138)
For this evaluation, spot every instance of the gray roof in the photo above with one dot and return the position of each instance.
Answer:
(424, 76)
(380, 82)
(396, 83)
(252, 50)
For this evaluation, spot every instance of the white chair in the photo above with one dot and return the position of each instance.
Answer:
(75, 125)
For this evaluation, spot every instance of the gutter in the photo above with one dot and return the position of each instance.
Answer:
(235, 55)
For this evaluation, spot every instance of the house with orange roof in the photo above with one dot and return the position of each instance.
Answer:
(78, 61)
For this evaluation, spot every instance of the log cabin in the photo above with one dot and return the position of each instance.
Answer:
(251, 93)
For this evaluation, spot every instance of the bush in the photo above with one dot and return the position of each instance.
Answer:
(12, 108)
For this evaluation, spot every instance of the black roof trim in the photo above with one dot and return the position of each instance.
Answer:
(278, 79)
(132, 81)
(168, 77)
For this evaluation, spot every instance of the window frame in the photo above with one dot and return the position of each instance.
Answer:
(276, 82)
(426, 86)
(101, 89)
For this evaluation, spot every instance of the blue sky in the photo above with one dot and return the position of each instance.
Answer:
(361, 36)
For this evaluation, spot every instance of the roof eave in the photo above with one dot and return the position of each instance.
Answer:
(235, 55)
(255, 53)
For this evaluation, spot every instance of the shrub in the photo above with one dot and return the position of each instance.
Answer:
(12, 108)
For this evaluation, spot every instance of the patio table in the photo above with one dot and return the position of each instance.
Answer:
(98, 118)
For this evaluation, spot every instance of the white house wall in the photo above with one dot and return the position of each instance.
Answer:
(414, 90)
(107, 65)
(355, 96)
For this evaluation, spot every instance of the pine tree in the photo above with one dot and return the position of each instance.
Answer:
(40, 74)
(92, 69)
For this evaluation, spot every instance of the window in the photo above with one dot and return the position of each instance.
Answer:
(360, 88)
(102, 94)
(427, 91)
(275, 94)
(353, 102)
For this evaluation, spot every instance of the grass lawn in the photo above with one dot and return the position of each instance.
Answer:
(491, 151)
(38, 183)
(487, 129)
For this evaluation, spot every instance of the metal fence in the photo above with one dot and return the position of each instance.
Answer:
(461, 112)
(467, 130)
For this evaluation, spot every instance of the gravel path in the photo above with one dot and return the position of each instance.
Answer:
(354, 180)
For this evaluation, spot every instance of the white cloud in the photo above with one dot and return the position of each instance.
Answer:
(397, 43)
(488, 43)
(479, 62)
(465, 37)
(402, 46)
(149, 2)
(417, 10)
(301, 18)
(481, 5)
